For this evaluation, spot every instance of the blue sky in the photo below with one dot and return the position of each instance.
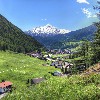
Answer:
(67, 14)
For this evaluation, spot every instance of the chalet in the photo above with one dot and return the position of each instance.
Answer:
(37, 55)
(54, 63)
(57, 64)
(5, 86)
(66, 64)
(66, 68)
(37, 80)
(47, 57)
(34, 54)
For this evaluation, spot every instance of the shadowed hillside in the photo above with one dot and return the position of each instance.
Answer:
(12, 38)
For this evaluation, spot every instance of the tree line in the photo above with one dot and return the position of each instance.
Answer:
(90, 50)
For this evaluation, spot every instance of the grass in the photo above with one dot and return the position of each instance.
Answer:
(18, 68)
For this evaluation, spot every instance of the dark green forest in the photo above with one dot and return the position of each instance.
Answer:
(89, 51)
(12, 38)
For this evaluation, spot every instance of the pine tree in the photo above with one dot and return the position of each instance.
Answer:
(96, 43)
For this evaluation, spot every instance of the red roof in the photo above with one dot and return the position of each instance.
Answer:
(4, 84)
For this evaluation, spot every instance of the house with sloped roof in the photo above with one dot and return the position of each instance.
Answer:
(66, 68)
(5, 86)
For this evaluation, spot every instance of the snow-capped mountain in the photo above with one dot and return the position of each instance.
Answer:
(51, 37)
(47, 30)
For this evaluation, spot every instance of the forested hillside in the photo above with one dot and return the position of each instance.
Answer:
(12, 38)
(90, 51)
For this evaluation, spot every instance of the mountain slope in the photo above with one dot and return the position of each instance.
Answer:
(18, 68)
(14, 39)
(59, 40)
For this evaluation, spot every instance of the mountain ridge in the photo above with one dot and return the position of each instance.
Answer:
(49, 41)
(47, 30)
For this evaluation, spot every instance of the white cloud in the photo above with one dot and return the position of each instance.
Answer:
(44, 19)
(88, 13)
(83, 1)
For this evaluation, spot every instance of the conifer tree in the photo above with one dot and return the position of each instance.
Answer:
(96, 43)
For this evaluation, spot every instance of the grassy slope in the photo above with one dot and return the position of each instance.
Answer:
(19, 64)
(75, 87)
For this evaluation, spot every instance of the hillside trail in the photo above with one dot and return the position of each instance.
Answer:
(2, 95)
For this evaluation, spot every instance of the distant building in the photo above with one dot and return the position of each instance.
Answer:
(60, 51)
(34, 54)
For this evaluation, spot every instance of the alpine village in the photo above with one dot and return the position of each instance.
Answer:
(49, 67)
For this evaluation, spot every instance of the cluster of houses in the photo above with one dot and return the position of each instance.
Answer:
(57, 63)
(63, 65)
(60, 51)
(40, 56)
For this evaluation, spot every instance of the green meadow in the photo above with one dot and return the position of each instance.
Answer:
(18, 68)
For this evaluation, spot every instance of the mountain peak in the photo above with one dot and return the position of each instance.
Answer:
(48, 29)
(49, 25)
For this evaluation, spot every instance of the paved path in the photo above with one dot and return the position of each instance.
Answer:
(3, 95)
